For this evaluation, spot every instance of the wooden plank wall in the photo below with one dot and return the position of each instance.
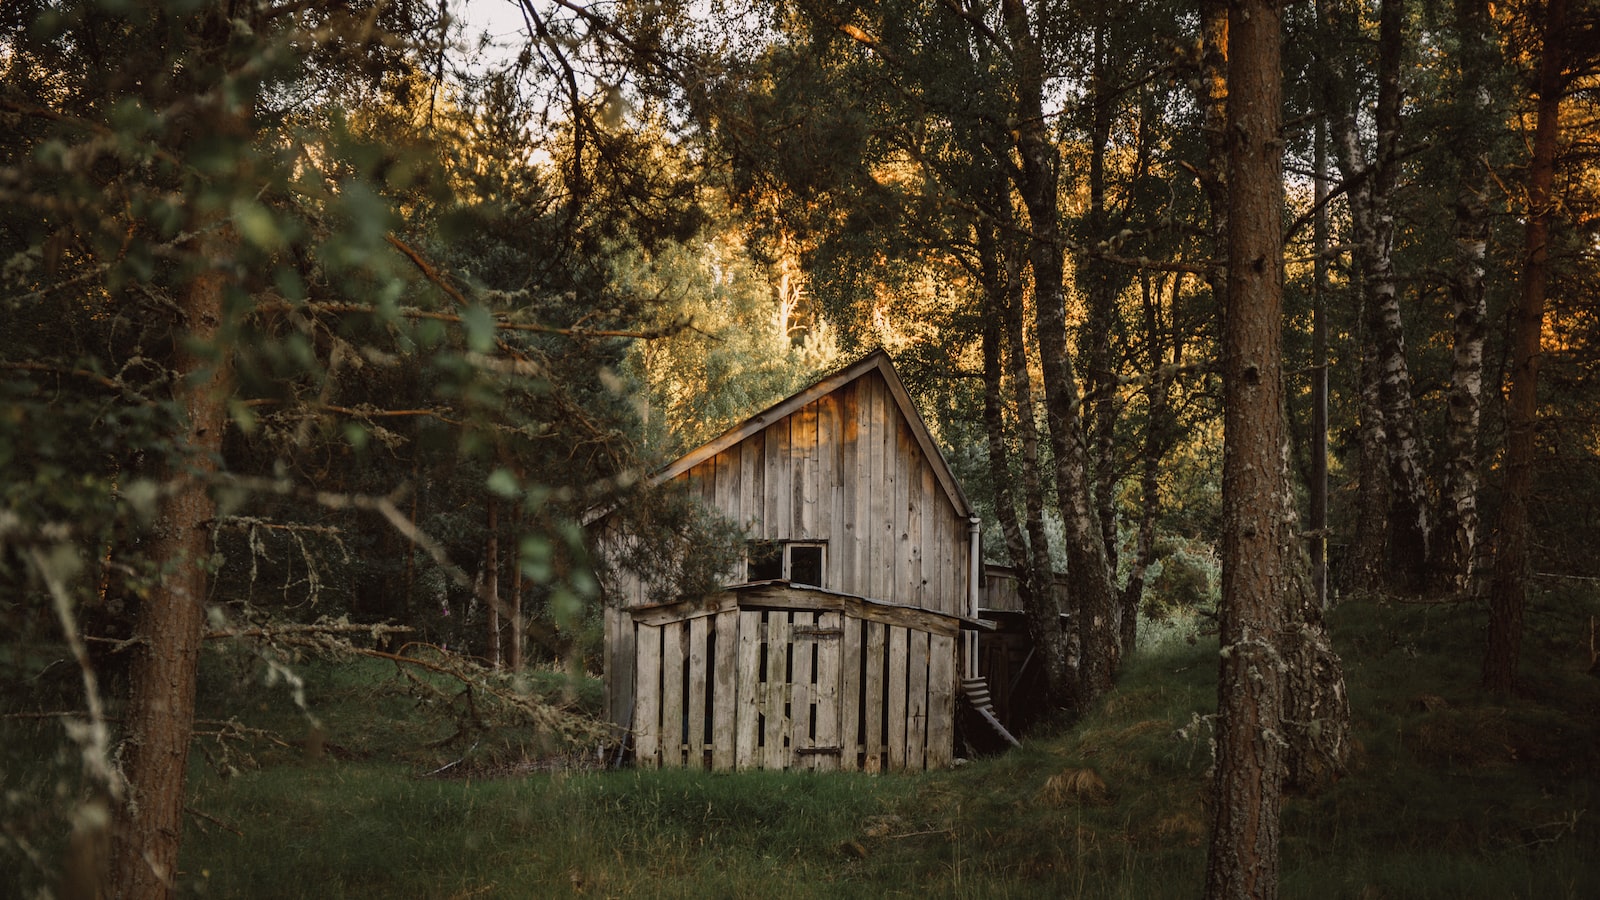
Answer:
(845, 470)
(792, 689)
(999, 590)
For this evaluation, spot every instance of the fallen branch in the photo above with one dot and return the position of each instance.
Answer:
(269, 632)
(207, 817)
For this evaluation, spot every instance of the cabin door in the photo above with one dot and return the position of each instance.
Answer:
(798, 697)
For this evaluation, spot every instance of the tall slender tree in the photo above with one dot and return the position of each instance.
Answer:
(1454, 547)
(1508, 591)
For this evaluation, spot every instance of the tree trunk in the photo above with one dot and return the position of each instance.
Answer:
(1373, 226)
(1364, 563)
(1258, 534)
(491, 587)
(1508, 592)
(1157, 429)
(1100, 287)
(1319, 372)
(517, 638)
(1455, 542)
(1038, 184)
(159, 721)
(1030, 553)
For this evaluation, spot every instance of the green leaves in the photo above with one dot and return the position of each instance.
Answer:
(503, 483)
(479, 325)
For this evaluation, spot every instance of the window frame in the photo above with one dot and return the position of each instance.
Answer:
(757, 552)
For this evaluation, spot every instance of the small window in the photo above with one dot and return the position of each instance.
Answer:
(795, 563)
(805, 564)
(764, 561)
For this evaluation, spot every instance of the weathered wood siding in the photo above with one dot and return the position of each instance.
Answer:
(998, 591)
(750, 683)
(848, 470)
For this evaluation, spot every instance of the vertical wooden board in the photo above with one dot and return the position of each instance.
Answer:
(869, 526)
(941, 700)
(932, 560)
(892, 553)
(752, 479)
(876, 682)
(953, 558)
(904, 476)
(917, 535)
(828, 501)
(694, 736)
(674, 647)
(810, 516)
(619, 667)
(647, 705)
(775, 693)
(695, 480)
(916, 699)
(752, 635)
(846, 549)
(731, 479)
(829, 651)
(957, 559)
(865, 531)
(895, 698)
(881, 545)
(725, 496)
(780, 483)
(851, 699)
(769, 480)
(802, 648)
(724, 706)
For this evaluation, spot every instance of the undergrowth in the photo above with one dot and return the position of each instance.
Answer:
(1450, 794)
(358, 782)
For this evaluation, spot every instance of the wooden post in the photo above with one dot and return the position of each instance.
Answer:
(724, 704)
(647, 705)
(695, 728)
(752, 634)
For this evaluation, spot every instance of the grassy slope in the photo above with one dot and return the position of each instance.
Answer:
(1451, 795)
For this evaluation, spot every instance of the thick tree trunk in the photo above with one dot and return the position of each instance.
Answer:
(1258, 532)
(1038, 184)
(1508, 592)
(1455, 541)
(159, 721)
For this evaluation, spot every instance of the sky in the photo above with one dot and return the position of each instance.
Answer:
(501, 19)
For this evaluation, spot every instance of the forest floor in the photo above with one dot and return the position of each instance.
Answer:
(1450, 794)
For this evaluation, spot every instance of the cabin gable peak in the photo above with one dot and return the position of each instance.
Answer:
(878, 361)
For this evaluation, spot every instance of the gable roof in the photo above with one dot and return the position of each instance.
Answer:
(876, 361)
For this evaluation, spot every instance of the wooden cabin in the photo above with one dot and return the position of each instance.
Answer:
(841, 642)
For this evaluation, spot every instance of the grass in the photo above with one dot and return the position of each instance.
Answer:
(1450, 794)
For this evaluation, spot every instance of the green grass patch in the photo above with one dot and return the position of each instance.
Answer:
(329, 783)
